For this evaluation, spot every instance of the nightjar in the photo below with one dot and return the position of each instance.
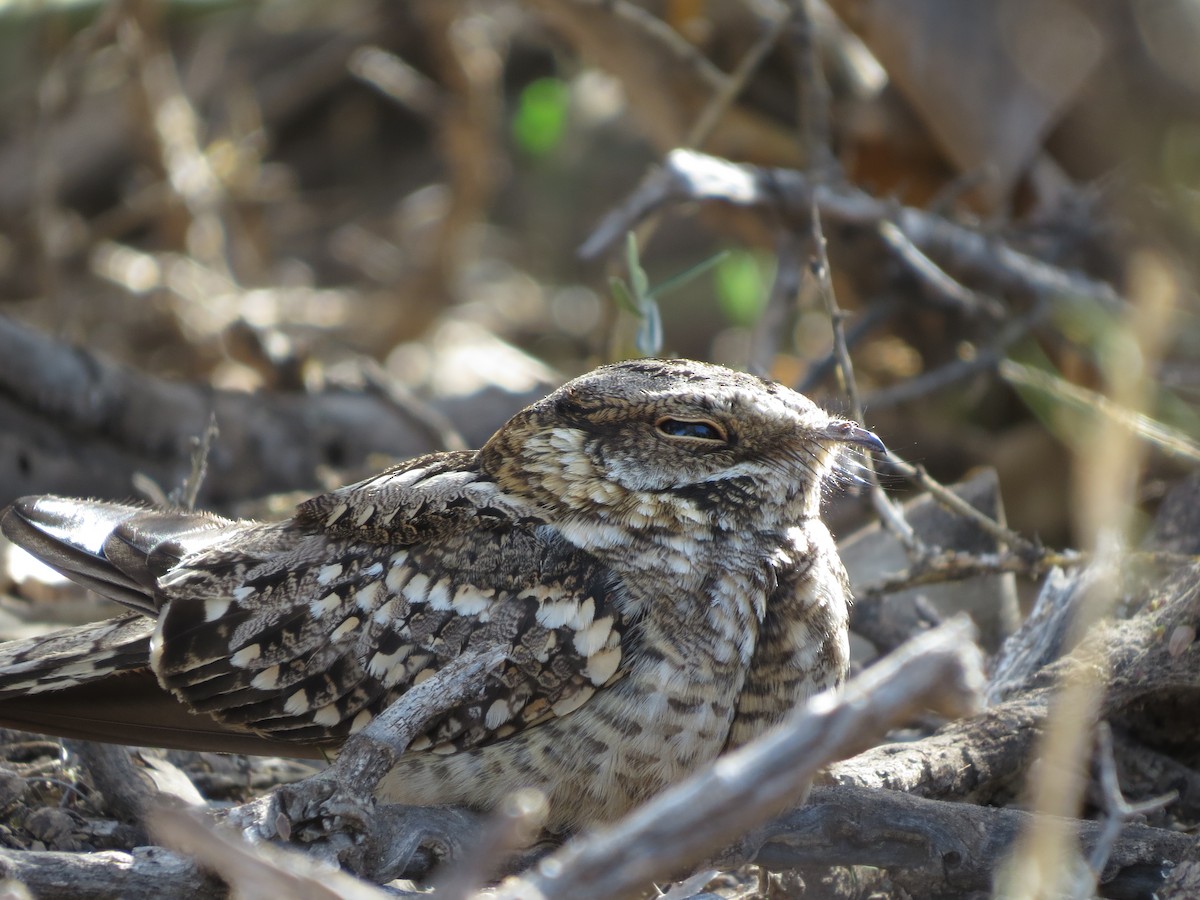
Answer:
(645, 544)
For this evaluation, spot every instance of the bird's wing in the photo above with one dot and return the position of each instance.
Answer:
(306, 630)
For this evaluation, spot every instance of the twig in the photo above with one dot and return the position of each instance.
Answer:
(888, 513)
(185, 495)
(978, 759)
(732, 85)
(985, 359)
(176, 128)
(937, 848)
(257, 870)
(954, 503)
(879, 313)
(784, 290)
(1042, 637)
(812, 92)
(435, 423)
(957, 295)
(1117, 810)
(116, 778)
(335, 809)
(955, 565)
(691, 176)
(1140, 425)
(664, 36)
(368, 755)
(396, 79)
(747, 787)
(515, 825)
(148, 873)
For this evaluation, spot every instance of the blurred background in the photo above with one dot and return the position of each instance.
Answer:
(293, 201)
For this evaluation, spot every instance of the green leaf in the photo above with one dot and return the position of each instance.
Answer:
(541, 118)
(624, 299)
(741, 280)
(637, 275)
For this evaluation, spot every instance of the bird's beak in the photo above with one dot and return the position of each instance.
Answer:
(850, 433)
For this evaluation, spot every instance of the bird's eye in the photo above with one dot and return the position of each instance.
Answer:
(699, 429)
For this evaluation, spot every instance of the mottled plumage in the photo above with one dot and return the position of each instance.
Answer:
(644, 543)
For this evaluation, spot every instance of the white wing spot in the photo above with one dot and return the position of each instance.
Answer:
(347, 627)
(398, 573)
(215, 608)
(384, 614)
(469, 600)
(572, 702)
(498, 713)
(329, 572)
(322, 607)
(417, 588)
(266, 680)
(246, 655)
(551, 614)
(297, 703)
(448, 480)
(383, 665)
(337, 513)
(584, 615)
(361, 721)
(365, 512)
(328, 715)
(406, 478)
(603, 665)
(366, 598)
(439, 594)
(594, 637)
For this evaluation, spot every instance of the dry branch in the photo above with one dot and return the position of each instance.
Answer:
(74, 423)
(966, 254)
(148, 873)
(933, 848)
(980, 758)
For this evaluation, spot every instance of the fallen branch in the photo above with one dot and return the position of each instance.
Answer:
(965, 253)
(723, 804)
(979, 759)
(148, 873)
(932, 848)
(74, 423)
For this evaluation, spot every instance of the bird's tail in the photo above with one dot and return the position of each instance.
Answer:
(95, 681)
(75, 656)
(118, 550)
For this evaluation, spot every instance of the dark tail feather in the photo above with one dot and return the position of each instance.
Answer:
(75, 656)
(117, 549)
(94, 682)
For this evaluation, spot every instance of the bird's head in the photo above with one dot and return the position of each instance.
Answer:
(633, 442)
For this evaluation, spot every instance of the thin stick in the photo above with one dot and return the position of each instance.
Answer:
(889, 513)
(733, 85)
(812, 92)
